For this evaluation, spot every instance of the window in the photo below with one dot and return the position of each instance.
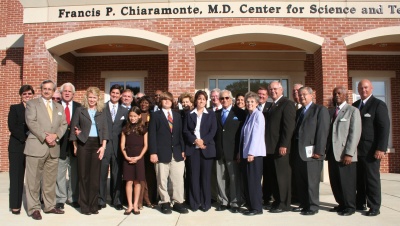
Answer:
(133, 80)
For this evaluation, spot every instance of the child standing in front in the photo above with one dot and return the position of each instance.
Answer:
(166, 148)
(133, 146)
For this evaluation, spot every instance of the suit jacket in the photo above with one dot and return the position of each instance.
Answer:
(266, 107)
(17, 127)
(252, 135)
(227, 137)
(375, 127)
(161, 141)
(346, 132)
(280, 124)
(313, 131)
(208, 127)
(82, 120)
(115, 128)
(38, 121)
(65, 145)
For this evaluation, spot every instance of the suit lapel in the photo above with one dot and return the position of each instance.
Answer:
(55, 112)
(164, 119)
(43, 107)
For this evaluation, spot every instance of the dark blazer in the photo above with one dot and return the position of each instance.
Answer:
(266, 107)
(65, 145)
(280, 123)
(17, 127)
(161, 141)
(313, 131)
(227, 137)
(82, 121)
(115, 128)
(375, 127)
(208, 127)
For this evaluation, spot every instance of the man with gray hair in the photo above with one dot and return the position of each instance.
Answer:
(214, 96)
(295, 95)
(67, 191)
(229, 125)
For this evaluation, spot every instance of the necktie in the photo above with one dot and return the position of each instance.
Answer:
(170, 121)
(216, 108)
(50, 111)
(67, 115)
(113, 112)
(336, 114)
(362, 105)
(300, 119)
(260, 107)
(224, 116)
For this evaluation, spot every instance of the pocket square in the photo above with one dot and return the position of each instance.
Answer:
(122, 118)
(235, 118)
(343, 120)
(59, 113)
(367, 115)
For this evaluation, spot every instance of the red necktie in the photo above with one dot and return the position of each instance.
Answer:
(67, 115)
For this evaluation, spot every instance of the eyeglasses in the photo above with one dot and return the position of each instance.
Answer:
(56, 98)
(224, 98)
(157, 95)
(24, 94)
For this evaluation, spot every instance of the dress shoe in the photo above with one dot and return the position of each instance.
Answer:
(361, 207)
(336, 209)
(60, 206)
(95, 212)
(267, 206)
(87, 213)
(372, 212)
(119, 207)
(276, 210)
(16, 212)
(203, 209)
(102, 206)
(221, 208)
(309, 212)
(297, 209)
(252, 212)
(55, 211)
(166, 208)
(347, 212)
(75, 204)
(36, 215)
(235, 210)
(180, 208)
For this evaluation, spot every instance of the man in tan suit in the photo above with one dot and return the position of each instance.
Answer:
(46, 122)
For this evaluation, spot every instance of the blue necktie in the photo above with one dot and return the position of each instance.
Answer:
(224, 116)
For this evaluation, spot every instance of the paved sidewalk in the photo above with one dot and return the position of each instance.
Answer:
(390, 213)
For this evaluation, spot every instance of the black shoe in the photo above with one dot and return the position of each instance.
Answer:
(221, 208)
(372, 212)
(87, 213)
(203, 209)
(267, 206)
(119, 207)
(336, 209)
(235, 210)
(95, 212)
(276, 210)
(102, 206)
(347, 212)
(297, 209)
(60, 205)
(75, 204)
(166, 208)
(180, 208)
(309, 212)
(252, 212)
(361, 207)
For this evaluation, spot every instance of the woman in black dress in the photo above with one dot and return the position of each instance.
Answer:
(19, 133)
(134, 146)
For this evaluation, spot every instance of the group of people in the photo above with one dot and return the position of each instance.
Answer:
(252, 153)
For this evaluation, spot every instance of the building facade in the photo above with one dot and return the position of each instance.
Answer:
(187, 45)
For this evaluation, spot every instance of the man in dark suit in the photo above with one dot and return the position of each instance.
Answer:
(67, 191)
(309, 143)
(263, 106)
(344, 134)
(46, 122)
(166, 148)
(372, 147)
(229, 124)
(116, 117)
(280, 124)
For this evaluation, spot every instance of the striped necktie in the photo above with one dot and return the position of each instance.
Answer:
(170, 121)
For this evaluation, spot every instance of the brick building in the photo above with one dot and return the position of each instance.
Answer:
(183, 45)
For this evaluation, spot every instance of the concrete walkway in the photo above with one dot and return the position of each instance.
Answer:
(390, 213)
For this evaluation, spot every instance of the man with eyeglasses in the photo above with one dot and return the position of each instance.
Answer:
(56, 96)
(138, 96)
(157, 95)
(229, 124)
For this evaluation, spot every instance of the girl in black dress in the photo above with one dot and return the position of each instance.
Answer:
(133, 146)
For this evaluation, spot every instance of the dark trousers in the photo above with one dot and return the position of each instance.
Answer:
(308, 176)
(17, 173)
(343, 182)
(266, 186)
(115, 163)
(251, 174)
(368, 182)
(151, 179)
(89, 174)
(199, 171)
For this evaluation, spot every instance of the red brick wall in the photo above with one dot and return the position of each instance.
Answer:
(391, 163)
